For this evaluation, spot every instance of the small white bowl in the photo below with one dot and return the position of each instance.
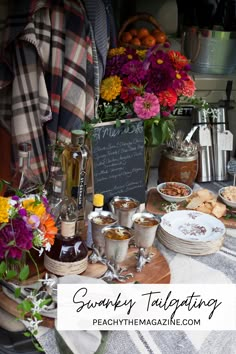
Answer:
(230, 203)
(174, 199)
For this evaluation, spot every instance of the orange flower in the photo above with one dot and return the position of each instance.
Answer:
(49, 229)
(179, 60)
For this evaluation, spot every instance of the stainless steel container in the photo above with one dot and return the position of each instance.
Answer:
(124, 214)
(210, 51)
(116, 250)
(221, 157)
(204, 138)
(144, 234)
(98, 238)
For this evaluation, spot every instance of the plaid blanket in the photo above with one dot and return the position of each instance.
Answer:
(46, 74)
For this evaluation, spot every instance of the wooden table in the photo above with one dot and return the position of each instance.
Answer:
(156, 272)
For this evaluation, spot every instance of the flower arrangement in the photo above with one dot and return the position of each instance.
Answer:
(25, 225)
(147, 84)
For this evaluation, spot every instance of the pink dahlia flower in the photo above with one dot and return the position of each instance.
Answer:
(146, 106)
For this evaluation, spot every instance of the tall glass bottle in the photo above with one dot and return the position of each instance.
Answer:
(57, 196)
(24, 177)
(74, 164)
(55, 167)
(69, 254)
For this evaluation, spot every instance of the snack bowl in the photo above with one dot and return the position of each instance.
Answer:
(231, 192)
(173, 187)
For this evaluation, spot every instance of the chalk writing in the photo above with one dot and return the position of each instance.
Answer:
(118, 160)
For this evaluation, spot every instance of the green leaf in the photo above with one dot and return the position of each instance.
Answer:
(38, 316)
(17, 292)
(25, 305)
(24, 273)
(45, 302)
(38, 347)
(118, 123)
(165, 130)
(2, 225)
(156, 135)
(27, 334)
(11, 274)
(3, 268)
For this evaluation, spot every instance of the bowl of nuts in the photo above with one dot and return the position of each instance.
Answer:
(228, 196)
(174, 192)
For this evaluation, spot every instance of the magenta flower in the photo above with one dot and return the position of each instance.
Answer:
(14, 238)
(146, 106)
(134, 71)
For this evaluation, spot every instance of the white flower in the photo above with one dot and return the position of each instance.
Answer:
(41, 251)
(33, 324)
(47, 246)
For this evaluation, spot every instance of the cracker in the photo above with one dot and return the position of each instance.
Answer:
(194, 203)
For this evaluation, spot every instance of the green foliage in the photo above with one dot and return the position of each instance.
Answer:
(115, 110)
(24, 273)
(17, 292)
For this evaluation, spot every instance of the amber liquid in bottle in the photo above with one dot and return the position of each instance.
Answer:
(69, 254)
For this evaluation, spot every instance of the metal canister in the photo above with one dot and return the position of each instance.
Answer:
(221, 157)
(203, 136)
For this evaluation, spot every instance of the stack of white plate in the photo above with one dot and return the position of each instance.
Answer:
(191, 232)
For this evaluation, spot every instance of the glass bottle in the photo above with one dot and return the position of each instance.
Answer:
(24, 177)
(55, 168)
(74, 163)
(69, 254)
(56, 197)
(98, 203)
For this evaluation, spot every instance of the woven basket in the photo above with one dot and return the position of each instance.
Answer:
(131, 20)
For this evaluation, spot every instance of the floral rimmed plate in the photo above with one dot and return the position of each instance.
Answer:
(192, 226)
(189, 247)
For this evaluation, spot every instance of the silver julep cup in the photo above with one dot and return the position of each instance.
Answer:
(116, 250)
(124, 214)
(97, 236)
(144, 234)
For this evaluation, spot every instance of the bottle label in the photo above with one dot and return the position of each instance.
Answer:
(89, 240)
(65, 268)
(68, 228)
(81, 190)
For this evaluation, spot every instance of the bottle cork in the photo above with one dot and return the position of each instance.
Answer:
(98, 200)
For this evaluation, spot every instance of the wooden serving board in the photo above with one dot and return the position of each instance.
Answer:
(156, 272)
(155, 203)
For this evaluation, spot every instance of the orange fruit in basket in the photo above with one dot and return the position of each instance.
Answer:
(126, 37)
(160, 37)
(143, 32)
(148, 41)
(135, 41)
(156, 30)
(134, 32)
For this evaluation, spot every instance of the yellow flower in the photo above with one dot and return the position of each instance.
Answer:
(34, 207)
(141, 53)
(116, 51)
(4, 208)
(110, 88)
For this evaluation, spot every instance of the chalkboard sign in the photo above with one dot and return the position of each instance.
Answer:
(118, 160)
